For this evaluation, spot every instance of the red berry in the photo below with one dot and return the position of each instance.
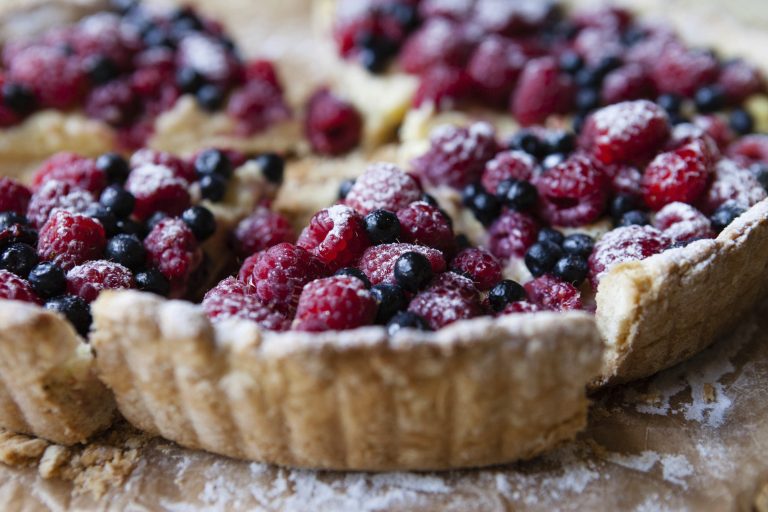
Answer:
(443, 86)
(739, 80)
(383, 186)
(261, 230)
(440, 308)
(69, 239)
(572, 193)
(513, 18)
(234, 299)
(480, 265)
(550, 293)
(114, 103)
(681, 71)
(438, 41)
(520, 306)
(335, 303)
(180, 167)
(424, 224)
(451, 282)
(336, 236)
(732, 182)
(104, 34)
(333, 126)
(208, 55)
(596, 43)
(75, 170)
(54, 195)
(629, 82)
(173, 249)
(511, 235)
(541, 91)
(263, 70)
(12, 287)
(256, 106)
(624, 244)
(679, 175)
(625, 179)
(156, 189)
(451, 9)
(716, 128)
(14, 197)
(508, 165)
(90, 278)
(494, 68)
(57, 79)
(378, 262)
(682, 222)
(753, 148)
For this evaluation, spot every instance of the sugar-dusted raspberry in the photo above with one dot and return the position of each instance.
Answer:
(279, 273)
(76, 170)
(114, 103)
(681, 70)
(511, 235)
(261, 230)
(698, 138)
(210, 57)
(480, 265)
(550, 293)
(541, 91)
(69, 239)
(507, 165)
(573, 193)
(438, 41)
(443, 86)
(336, 235)
(597, 44)
(383, 186)
(14, 197)
(716, 128)
(678, 175)
(512, 18)
(172, 247)
(232, 298)
(181, 168)
(455, 283)
(57, 80)
(54, 195)
(624, 179)
(440, 307)
(520, 306)
(629, 82)
(335, 303)
(378, 261)
(12, 287)
(494, 68)
(457, 155)
(90, 278)
(333, 126)
(424, 224)
(104, 34)
(682, 222)
(740, 80)
(625, 131)
(157, 189)
(732, 182)
(624, 244)
(753, 148)
(257, 106)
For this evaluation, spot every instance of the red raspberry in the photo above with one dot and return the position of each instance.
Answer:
(679, 175)
(256, 106)
(597, 43)
(333, 126)
(625, 179)
(114, 103)
(76, 170)
(508, 165)
(104, 34)
(550, 293)
(740, 80)
(335, 303)
(451, 282)
(572, 193)
(457, 155)
(336, 235)
(494, 68)
(56, 79)
(180, 167)
(624, 244)
(438, 41)
(156, 189)
(511, 235)
(541, 91)
(424, 224)
(14, 197)
(8, 116)
(443, 86)
(716, 128)
(687, 133)
(279, 273)
(480, 265)
(208, 56)
(383, 186)
(513, 18)
(262, 70)
(520, 306)
(69, 239)
(732, 182)
(753, 148)
(54, 195)
(136, 135)
(232, 298)
(378, 262)
(630, 82)
(681, 71)
(358, 19)
(261, 230)
(89, 279)
(451, 9)
(442, 307)
(12, 287)
(682, 222)
(173, 249)
(623, 132)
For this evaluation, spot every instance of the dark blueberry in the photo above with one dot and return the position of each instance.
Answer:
(123, 6)
(571, 269)
(552, 160)
(681, 243)
(587, 99)
(469, 192)
(724, 215)
(462, 242)
(185, 19)
(75, 309)
(562, 142)
(676, 119)
(344, 188)
(114, 166)
(709, 98)
(518, 195)
(406, 320)
(18, 98)
(622, 204)
(213, 161)
(577, 122)
(571, 62)
(189, 80)
(412, 271)
(530, 143)
(586, 77)
(607, 64)
(14, 229)
(8, 219)
(200, 220)
(391, 299)
(429, 199)
(741, 121)
(670, 102)
(18, 258)
(578, 244)
(126, 250)
(210, 97)
(152, 280)
(47, 279)
(504, 292)
(485, 207)
(118, 200)
(272, 166)
(406, 15)
(156, 36)
(354, 272)
(759, 171)
(155, 219)
(105, 216)
(213, 187)
(634, 218)
(375, 51)
(101, 69)
(541, 257)
(131, 227)
(550, 235)
(633, 35)
(382, 226)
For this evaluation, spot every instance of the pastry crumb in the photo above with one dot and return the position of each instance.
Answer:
(709, 392)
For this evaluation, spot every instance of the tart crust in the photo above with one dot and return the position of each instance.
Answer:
(479, 392)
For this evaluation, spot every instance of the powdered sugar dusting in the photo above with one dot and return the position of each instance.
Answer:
(628, 243)
(147, 178)
(623, 121)
(733, 183)
(383, 186)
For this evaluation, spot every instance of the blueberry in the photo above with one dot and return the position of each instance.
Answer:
(391, 299)
(344, 188)
(504, 292)
(469, 192)
(571, 269)
(210, 97)
(8, 219)
(18, 258)
(633, 35)
(126, 250)
(114, 166)
(528, 142)
(131, 227)
(578, 244)
(152, 280)
(759, 170)
(412, 271)
(462, 242)
(550, 235)
(517, 195)
(189, 80)
(15, 229)
(375, 51)
(101, 69)
(354, 272)
(105, 216)
(272, 166)
(607, 64)
(725, 214)
(562, 142)
(213, 187)
(634, 218)
(75, 309)
(571, 62)
(577, 123)
(213, 161)
(552, 160)
(200, 220)
(155, 219)
(586, 77)
(156, 36)
(47, 279)
(670, 102)
(406, 320)
(185, 19)
(18, 98)
(429, 199)
(382, 226)
(709, 98)
(587, 99)
(741, 121)
(118, 200)
(541, 257)
(622, 204)
(486, 207)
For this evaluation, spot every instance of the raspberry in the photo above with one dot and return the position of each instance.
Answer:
(378, 262)
(383, 186)
(257, 106)
(173, 249)
(740, 80)
(335, 303)
(54, 195)
(630, 82)
(114, 103)
(716, 128)
(598, 43)
(56, 79)
(69, 239)
(511, 235)
(333, 126)
(687, 133)
(442, 307)
(209, 57)
(682, 222)
(355, 24)
(14, 197)
(494, 68)
(624, 244)
(753, 148)
(679, 175)
(732, 182)
(232, 298)
(279, 273)
(89, 279)
(261, 230)
(104, 34)
(12, 287)
(457, 155)
(623, 132)
(507, 165)
(520, 306)
(625, 179)
(443, 86)
(156, 189)
(541, 91)
(451, 9)
(478, 264)
(263, 70)
(681, 71)
(438, 41)
(512, 18)
(451, 282)
(336, 235)
(76, 170)
(424, 224)
(572, 193)
(550, 293)
(180, 168)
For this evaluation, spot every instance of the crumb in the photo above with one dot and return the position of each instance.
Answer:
(709, 392)
(19, 449)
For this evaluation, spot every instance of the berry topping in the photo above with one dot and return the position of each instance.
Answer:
(153, 281)
(118, 201)
(354, 272)
(54, 196)
(734, 183)
(571, 269)
(521, 306)
(57, 81)
(114, 166)
(438, 41)
(406, 320)
(333, 126)
(14, 197)
(69, 239)
(261, 230)
(390, 299)
(47, 279)
(541, 91)
(213, 161)
(412, 271)
(479, 265)
(572, 193)
(678, 175)
(200, 220)
(383, 186)
(257, 106)
(156, 188)
(272, 166)
(540, 258)
(517, 195)
(336, 235)
(378, 261)
(494, 68)
(624, 244)
(753, 148)
(424, 224)
(507, 165)
(681, 71)
(234, 299)
(127, 250)
(335, 303)
(179, 167)
(578, 244)
(511, 235)
(18, 258)
(75, 170)
(550, 293)
(442, 86)
(504, 293)
(74, 309)
(441, 305)
(739, 80)
(172, 247)
(89, 279)
(724, 215)
(682, 222)
(382, 226)
(12, 287)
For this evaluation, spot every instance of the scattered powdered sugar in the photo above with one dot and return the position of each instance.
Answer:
(644, 461)
(675, 469)
(628, 243)
(205, 55)
(623, 121)
(340, 216)
(383, 185)
(465, 143)
(147, 178)
(733, 183)
(682, 222)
